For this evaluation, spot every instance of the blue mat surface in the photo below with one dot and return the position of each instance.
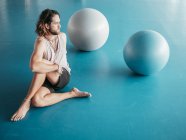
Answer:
(124, 105)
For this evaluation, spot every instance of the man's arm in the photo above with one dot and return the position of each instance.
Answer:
(37, 63)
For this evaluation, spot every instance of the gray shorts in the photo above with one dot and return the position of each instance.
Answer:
(63, 80)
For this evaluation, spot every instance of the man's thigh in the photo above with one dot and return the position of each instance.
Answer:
(53, 77)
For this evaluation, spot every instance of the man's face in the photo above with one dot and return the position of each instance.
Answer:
(55, 25)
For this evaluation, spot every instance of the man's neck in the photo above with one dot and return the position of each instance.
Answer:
(50, 37)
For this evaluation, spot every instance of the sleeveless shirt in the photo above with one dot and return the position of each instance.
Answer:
(60, 55)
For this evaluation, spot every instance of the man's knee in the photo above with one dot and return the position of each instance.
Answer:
(37, 101)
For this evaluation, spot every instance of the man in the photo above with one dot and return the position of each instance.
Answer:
(50, 66)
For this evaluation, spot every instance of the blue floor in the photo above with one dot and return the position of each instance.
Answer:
(124, 106)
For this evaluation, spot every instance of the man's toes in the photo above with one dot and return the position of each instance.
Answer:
(84, 94)
(13, 117)
(81, 93)
(18, 118)
(22, 117)
(88, 94)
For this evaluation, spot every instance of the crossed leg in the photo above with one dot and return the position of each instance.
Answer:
(40, 96)
(44, 98)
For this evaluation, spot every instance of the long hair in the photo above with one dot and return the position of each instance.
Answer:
(45, 18)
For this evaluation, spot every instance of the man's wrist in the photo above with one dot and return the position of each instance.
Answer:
(59, 70)
(57, 66)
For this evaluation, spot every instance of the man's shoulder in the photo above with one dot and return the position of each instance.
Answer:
(40, 39)
(39, 42)
(63, 35)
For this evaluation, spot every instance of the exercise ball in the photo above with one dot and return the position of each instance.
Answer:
(88, 29)
(146, 52)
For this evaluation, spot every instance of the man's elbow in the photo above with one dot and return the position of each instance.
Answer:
(33, 67)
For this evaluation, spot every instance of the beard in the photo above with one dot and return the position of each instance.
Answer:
(54, 32)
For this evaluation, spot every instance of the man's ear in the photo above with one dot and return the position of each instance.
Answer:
(47, 26)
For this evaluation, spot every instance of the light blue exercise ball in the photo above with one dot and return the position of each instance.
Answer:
(88, 29)
(146, 52)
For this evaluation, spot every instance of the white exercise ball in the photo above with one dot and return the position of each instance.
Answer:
(88, 29)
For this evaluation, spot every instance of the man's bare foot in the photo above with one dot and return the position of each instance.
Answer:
(78, 93)
(21, 112)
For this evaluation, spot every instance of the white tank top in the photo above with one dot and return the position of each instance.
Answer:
(60, 53)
